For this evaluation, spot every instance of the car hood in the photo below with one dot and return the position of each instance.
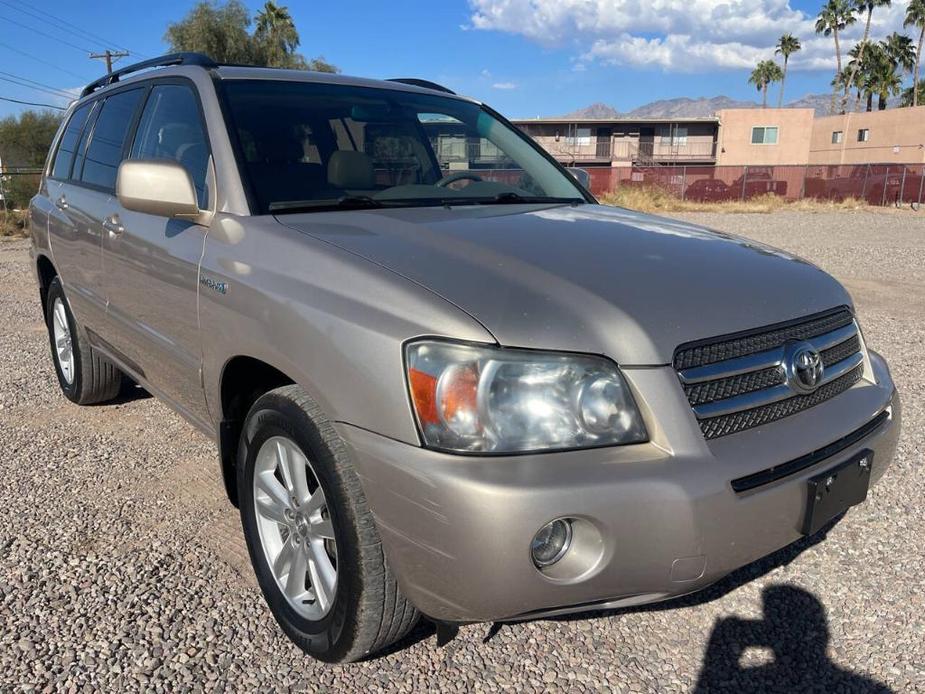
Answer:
(586, 278)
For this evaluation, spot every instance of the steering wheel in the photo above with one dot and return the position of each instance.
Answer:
(458, 176)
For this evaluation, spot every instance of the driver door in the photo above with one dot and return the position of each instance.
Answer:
(151, 263)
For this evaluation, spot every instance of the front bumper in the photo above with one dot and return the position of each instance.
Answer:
(456, 530)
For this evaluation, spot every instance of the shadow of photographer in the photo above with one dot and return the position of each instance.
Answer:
(793, 637)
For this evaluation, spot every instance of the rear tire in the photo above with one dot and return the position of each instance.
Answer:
(366, 611)
(85, 376)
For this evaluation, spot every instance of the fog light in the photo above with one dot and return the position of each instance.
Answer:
(552, 542)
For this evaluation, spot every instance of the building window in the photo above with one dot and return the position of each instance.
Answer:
(864, 135)
(764, 135)
(838, 137)
(672, 135)
(579, 136)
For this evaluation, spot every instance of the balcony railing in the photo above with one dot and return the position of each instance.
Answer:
(566, 150)
(667, 152)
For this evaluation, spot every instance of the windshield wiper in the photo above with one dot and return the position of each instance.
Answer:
(365, 202)
(345, 202)
(517, 198)
(511, 198)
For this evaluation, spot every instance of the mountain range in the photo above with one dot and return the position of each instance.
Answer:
(703, 107)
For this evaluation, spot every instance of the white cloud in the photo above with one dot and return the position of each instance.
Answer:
(504, 85)
(674, 35)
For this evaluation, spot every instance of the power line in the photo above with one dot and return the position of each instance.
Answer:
(18, 83)
(32, 103)
(42, 60)
(68, 26)
(46, 35)
(58, 90)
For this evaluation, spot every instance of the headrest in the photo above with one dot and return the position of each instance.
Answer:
(351, 170)
(174, 135)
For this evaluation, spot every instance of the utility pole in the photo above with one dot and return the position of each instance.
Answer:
(2, 196)
(110, 57)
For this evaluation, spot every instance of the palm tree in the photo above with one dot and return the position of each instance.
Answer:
(860, 70)
(764, 74)
(879, 72)
(836, 16)
(276, 35)
(900, 51)
(915, 16)
(787, 45)
(840, 83)
(884, 82)
(868, 6)
(910, 95)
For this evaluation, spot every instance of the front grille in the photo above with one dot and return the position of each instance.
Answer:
(740, 381)
(835, 354)
(729, 347)
(729, 424)
(722, 388)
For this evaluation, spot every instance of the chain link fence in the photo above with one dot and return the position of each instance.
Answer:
(876, 184)
(17, 187)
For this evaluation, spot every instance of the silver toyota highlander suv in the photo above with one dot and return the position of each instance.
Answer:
(442, 379)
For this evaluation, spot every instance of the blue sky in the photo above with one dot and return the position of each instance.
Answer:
(525, 57)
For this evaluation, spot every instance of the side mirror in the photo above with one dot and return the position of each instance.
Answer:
(160, 187)
(581, 175)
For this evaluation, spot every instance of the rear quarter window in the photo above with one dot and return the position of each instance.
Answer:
(107, 143)
(61, 168)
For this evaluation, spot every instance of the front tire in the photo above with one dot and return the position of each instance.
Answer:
(85, 376)
(312, 540)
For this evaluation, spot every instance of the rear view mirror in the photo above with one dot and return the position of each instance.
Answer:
(372, 113)
(581, 175)
(159, 187)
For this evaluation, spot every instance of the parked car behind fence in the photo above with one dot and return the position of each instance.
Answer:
(876, 184)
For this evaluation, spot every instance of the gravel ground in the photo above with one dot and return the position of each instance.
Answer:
(122, 567)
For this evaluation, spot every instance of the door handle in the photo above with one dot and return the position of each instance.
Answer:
(113, 225)
(61, 203)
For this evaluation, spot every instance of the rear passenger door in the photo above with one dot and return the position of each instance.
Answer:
(89, 193)
(75, 242)
(151, 263)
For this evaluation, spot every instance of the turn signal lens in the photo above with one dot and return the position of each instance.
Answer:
(489, 399)
(423, 393)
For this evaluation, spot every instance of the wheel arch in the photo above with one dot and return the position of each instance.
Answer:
(243, 380)
(45, 272)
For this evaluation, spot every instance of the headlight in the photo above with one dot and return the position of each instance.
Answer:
(493, 400)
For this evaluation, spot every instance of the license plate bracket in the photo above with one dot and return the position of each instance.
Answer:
(837, 490)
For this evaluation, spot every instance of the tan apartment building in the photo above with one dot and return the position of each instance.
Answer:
(765, 137)
(626, 141)
(737, 137)
(894, 136)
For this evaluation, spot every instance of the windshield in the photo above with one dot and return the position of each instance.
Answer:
(310, 146)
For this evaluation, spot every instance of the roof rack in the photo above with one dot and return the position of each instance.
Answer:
(426, 84)
(162, 61)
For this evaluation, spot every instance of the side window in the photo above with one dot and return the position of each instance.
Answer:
(81, 155)
(62, 167)
(171, 128)
(104, 154)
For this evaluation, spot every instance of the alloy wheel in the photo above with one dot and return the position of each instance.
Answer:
(64, 347)
(295, 528)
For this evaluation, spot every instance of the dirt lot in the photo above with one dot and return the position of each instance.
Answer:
(122, 567)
